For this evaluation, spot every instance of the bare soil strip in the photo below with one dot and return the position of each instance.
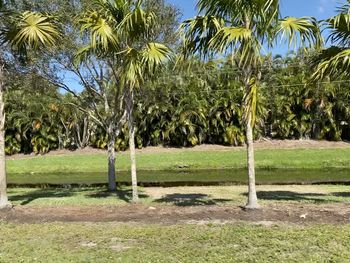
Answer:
(170, 214)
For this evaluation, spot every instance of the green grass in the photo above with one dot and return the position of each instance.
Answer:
(112, 242)
(265, 159)
(181, 196)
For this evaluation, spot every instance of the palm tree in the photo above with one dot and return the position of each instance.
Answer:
(335, 60)
(121, 29)
(241, 29)
(19, 32)
(140, 63)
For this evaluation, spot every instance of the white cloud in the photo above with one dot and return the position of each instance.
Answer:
(321, 9)
(324, 4)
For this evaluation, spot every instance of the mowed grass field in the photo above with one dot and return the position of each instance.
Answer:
(209, 242)
(265, 159)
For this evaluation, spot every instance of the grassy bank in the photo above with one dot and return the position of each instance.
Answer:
(265, 159)
(112, 242)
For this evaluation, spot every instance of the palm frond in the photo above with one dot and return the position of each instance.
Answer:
(132, 68)
(102, 32)
(336, 62)
(198, 32)
(30, 29)
(137, 22)
(339, 26)
(154, 55)
(300, 32)
(230, 37)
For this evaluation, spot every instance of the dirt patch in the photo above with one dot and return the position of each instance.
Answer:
(169, 214)
(261, 144)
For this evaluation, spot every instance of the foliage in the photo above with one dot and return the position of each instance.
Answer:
(190, 103)
(186, 108)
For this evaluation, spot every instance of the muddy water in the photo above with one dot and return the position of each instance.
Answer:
(186, 177)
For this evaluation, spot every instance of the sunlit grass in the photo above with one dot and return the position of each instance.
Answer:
(296, 158)
(113, 242)
(211, 195)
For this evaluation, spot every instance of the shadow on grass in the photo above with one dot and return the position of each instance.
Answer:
(190, 200)
(290, 196)
(122, 194)
(341, 194)
(26, 198)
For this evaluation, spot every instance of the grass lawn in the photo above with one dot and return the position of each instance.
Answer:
(265, 159)
(182, 196)
(207, 241)
(115, 242)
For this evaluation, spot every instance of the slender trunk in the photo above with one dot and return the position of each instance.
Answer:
(77, 136)
(4, 203)
(112, 186)
(131, 126)
(252, 197)
(86, 133)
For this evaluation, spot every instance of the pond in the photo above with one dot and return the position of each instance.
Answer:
(186, 177)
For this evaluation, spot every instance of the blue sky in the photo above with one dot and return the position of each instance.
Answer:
(317, 8)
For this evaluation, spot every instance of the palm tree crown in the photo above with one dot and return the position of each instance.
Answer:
(335, 60)
(121, 28)
(28, 30)
(243, 28)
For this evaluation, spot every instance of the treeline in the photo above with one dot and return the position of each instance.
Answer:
(184, 107)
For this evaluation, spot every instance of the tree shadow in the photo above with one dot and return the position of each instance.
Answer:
(122, 194)
(26, 198)
(341, 194)
(290, 196)
(193, 199)
(41, 193)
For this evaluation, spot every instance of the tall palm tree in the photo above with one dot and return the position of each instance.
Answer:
(122, 29)
(19, 32)
(242, 29)
(335, 60)
(140, 63)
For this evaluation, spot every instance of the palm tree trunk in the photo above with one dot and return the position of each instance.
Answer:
(252, 197)
(112, 186)
(131, 126)
(135, 195)
(4, 203)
